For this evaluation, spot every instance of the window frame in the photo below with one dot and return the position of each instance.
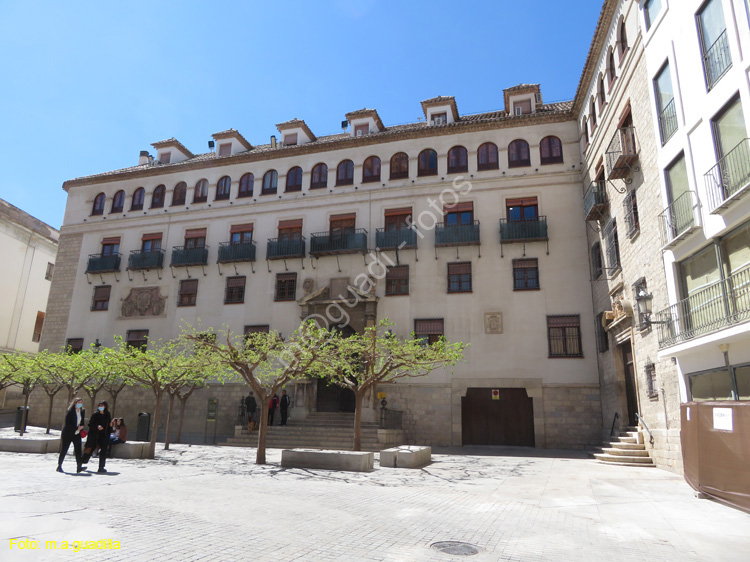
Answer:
(100, 298)
(293, 180)
(459, 280)
(285, 287)
(396, 282)
(372, 166)
(424, 161)
(550, 147)
(403, 158)
(223, 188)
(180, 189)
(489, 164)
(345, 173)
(118, 202)
(187, 294)
(320, 170)
(526, 282)
(200, 191)
(429, 336)
(516, 147)
(138, 199)
(235, 294)
(100, 201)
(270, 183)
(247, 179)
(564, 338)
(140, 343)
(597, 260)
(158, 196)
(460, 158)
(630, 207)
(602, 336)
(36, 335)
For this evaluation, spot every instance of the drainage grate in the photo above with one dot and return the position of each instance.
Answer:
(456, 548)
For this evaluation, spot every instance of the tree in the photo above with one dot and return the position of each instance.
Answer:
(47, 363)
(267, 362)
(21, 370)
(114, 385)
(377, 356)
(183, 393)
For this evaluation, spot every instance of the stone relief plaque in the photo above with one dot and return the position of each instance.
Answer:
(493, 322)
(143, 301)
(308, 285)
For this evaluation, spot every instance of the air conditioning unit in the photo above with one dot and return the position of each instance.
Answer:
(519, 110)
(359, 133)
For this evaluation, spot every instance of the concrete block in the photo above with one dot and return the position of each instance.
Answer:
(349, 461)
(20, 445)
(406, 456)
(130, 450)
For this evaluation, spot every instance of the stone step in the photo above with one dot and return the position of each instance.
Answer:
(633, 440)
(625, 452)
(629, 446)
(632, 460)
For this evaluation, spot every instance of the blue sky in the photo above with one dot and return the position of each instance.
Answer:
(87, 85)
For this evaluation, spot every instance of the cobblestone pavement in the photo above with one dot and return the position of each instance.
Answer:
(213, 503)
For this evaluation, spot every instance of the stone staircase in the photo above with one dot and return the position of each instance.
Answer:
(321, 430)
(628, 450)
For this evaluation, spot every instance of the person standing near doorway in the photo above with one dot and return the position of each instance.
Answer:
(251, 407)
(71, 433)
(272, 405)
(284, 407)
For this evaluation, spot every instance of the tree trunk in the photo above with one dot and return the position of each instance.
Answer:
(155, 424)
(183, 402)
(25, 412)
(49, 413)
(169, 421)
(114, 402)
(260, 457)
(358, 399)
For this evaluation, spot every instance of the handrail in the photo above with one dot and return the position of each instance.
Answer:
(614, 421)
(643, 423)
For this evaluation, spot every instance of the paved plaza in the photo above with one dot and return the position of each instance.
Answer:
(214, 503)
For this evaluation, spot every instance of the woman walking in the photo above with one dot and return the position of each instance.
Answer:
(71, 433)
(100, 425)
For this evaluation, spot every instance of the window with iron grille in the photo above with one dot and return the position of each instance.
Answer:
(37, 335)
(429, 330)
(397, 280)
(137, 339)
(525, 274)
(235, 290)
(74, 345)
(612, 245)
(564, 336)
(101, 297)
(596, 260)
(651, 389)
(188, 293)
(257, 329)
(49, 272)
(459, 277)
(630, 205)
(602, 338)
(286, 286)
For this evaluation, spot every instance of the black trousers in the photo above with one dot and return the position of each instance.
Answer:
(284, 415)
(270, 415)
(66, 441)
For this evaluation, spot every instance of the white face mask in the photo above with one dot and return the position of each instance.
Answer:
(100, 408)
(79, 405)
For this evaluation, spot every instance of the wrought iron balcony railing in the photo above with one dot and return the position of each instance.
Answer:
(730, 177)
(99, 263)
(229, 252)
(668, 122)
(596, 202)
(457, 234)
(328, 243)
(282, 248)
(139, 259)
(719, 305)
(678, 218)
(182, 256)
(622, 153)
(717, 60)
(390, 239)
(520, 231)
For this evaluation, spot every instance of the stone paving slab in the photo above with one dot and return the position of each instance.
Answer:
(213, 503)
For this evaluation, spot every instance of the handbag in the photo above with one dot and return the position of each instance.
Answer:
(83, 434)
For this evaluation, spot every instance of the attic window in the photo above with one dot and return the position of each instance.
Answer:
(165, 157)
(522, 107)
(290, 139)
(439, 118)
(225, 149)
(360, 130)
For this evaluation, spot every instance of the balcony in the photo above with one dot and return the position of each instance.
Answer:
(678, 219)
(718, 306)
(717, 60)
(99, 263)
(395, 239)
(622, 153)
(139, 259)
(523, 231)
(328, 244)
(596, 202)
(668, 122)
(230, 253)
(283, 248)
(728, 180)
(457, 234)
(182, 256)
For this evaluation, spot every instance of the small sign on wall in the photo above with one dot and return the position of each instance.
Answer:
(723, 419)
(496, 394)
(381, 395)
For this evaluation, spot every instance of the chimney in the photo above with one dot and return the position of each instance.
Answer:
(273, 141)
(143, 158)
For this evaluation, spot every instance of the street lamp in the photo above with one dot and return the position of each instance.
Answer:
(644, 302)
(97, 346)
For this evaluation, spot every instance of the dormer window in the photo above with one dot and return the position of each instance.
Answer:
(522, 107)
(361, 130)
(439, 118)
(290, 139)
(165, 157)
(538, 98)
(225, 149)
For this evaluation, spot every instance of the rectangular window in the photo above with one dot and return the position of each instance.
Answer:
(188, 293)
(360, 130)
(286, 287)
(151, 242)
(459, 214)
(525, 274)
(439, 118)
(137, 339)
(165, 157)
(429, 330)
(257, 329)
(342, 224)
(729, 131)
(665, 105)
(459, 277)
(522, 209)
(50, 271)
(225, 149)
(602, 337)
(235, 290)
(564, 336)
(717, 58)
(74, 345)
(290, 139)
(37, 335)
(398, 219)
(397, 280)
(712, 385)
(630, 206)
(195, 238)
(290, 230)
(101, 297)
(612, 245)
(111, 246)
(651, 10)
(651, 388)
(241, 234)
(524, 106)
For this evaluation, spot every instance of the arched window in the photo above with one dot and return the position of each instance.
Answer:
(246, 185)
(270, 182)
(592, 111)
(622, 41)
(487, 157)
(458, 160)
(179, 194)
(596, 260)
(157, 198)
(518, 154)
(600, 94)
(345, 173)
(200, 194)
(98, 208)
(294, 179)
(319, 176)
(138, 196)
(585, 129)
(427, 163)
(118, 201)
(550, 150)
(223, 188)
(611, 70)
(399, 166)
(371, 169)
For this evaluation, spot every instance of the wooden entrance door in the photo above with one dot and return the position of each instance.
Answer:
(629, 370)
(332, 398)
(507, 421)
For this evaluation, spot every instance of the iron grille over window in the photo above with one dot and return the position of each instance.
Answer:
(525, 274)
(188, 292)
(596, 260)
(652, 391)
(397, 280)
(101, 298)
(602, 338)
(459, 277)
(257, 329)
(564, 336)
(430, 330)
(137, 339)
(630, 205)
(286, 286)
(612, 245)
(235, 291)
(74, 345)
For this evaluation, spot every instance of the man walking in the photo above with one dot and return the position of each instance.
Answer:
(251, 406)
(284, 407)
